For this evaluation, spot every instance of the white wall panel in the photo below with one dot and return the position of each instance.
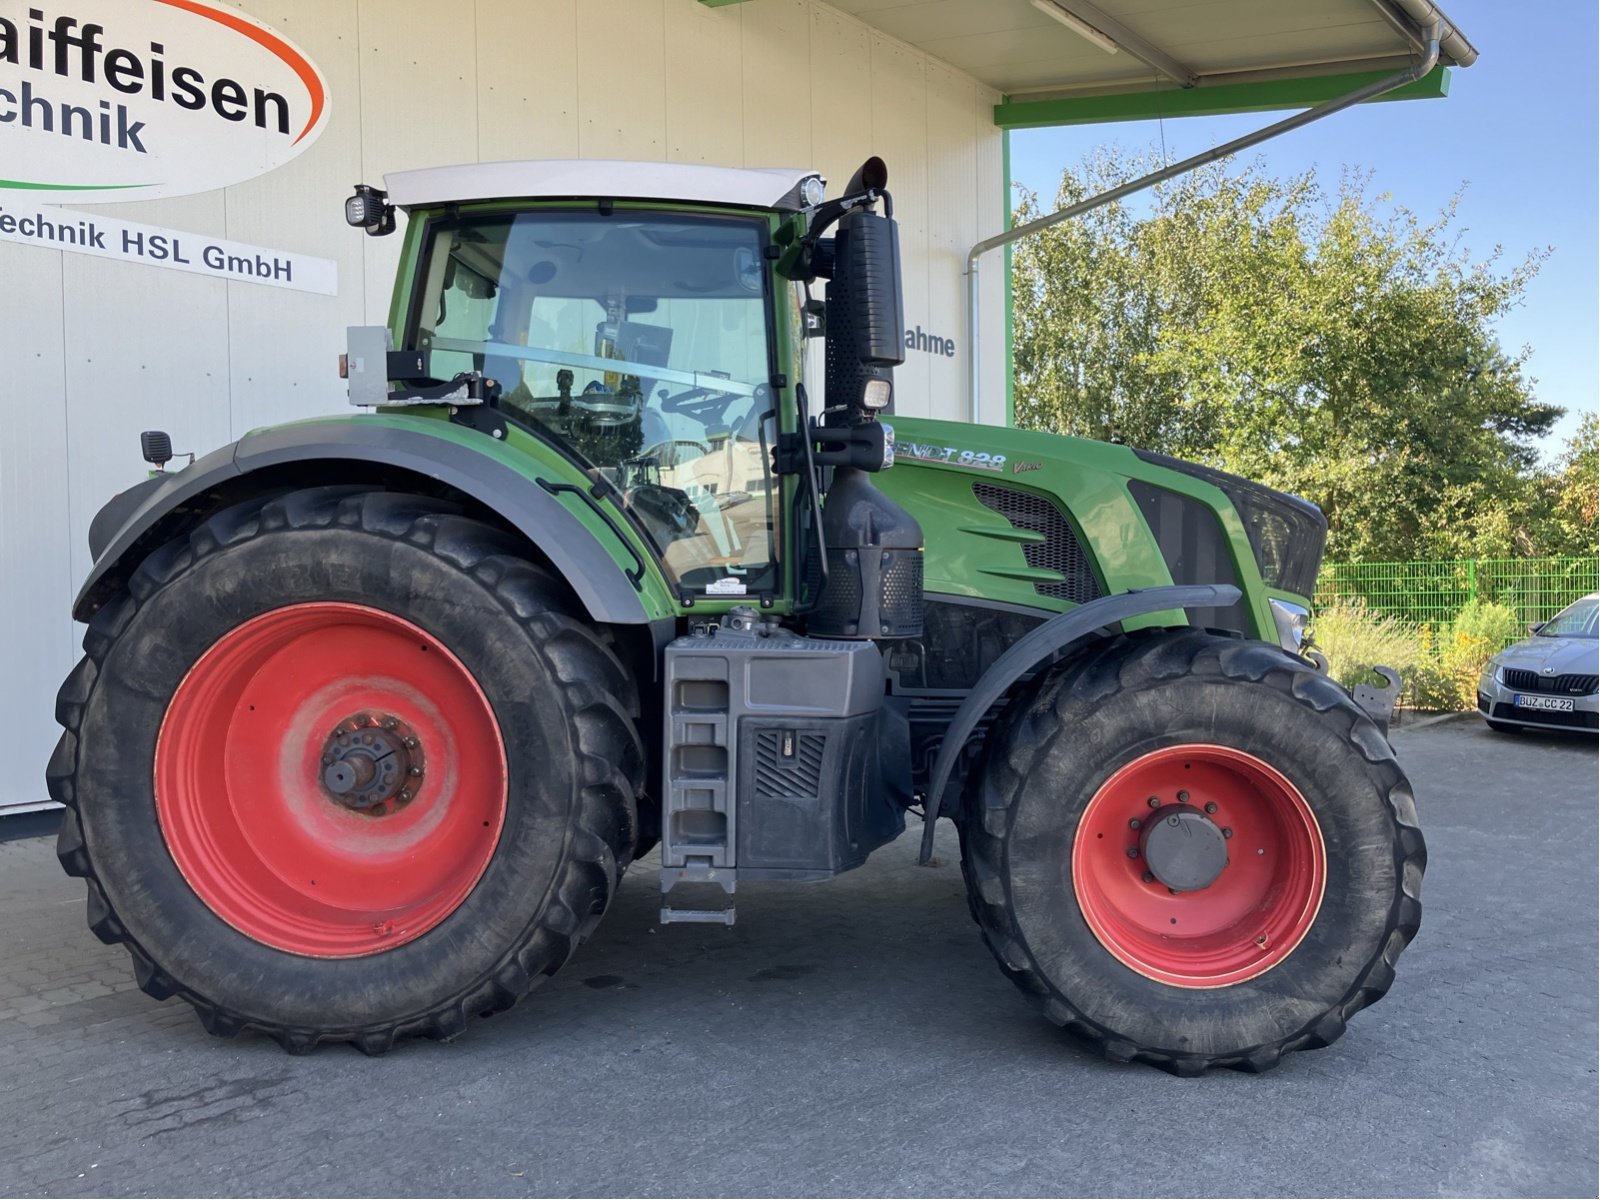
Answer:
(283, 346)
(900, 137)
(417, 104)
(622, 100)
(994, 202)
(952, 229)
(776, 83)
(527, 79)
(37, 639)
(145, 349)
(704, 97)
(841, 101)
(96, 350)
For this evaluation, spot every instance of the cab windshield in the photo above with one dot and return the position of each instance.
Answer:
(640, 343)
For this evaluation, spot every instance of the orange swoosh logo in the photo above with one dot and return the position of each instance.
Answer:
(275, 44)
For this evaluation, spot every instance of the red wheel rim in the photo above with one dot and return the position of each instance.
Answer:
(241, 780)
(1260, 906)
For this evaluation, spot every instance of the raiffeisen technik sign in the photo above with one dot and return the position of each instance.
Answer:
(106, 100)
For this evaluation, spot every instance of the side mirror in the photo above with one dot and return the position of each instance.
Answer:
(1537, 625)
(866, 284)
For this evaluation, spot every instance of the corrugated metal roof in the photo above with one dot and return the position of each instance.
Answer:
(1019, 48)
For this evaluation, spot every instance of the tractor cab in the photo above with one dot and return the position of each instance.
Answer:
(641, 343)
(654, 334)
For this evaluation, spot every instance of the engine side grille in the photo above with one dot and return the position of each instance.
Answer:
(1195, 548)
(1286, 533)
(1060, 551)
(1564, 685)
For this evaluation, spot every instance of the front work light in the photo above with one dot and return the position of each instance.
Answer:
(876, 394)
(813, 191)
(368, 209)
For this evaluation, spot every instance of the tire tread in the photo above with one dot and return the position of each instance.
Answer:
(1126, 661)
(596, 688)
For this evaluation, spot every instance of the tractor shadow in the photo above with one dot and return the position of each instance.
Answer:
(887, 953)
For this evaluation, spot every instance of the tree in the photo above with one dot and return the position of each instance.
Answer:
(1569, 500)
(1333, 346)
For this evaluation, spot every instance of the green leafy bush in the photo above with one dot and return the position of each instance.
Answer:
(1355, 639)
(1439, 666)
(1479, 630)
(1487, 621)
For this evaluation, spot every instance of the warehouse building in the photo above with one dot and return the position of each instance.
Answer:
(173, 174)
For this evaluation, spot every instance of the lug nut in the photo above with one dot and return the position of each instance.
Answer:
(363, 720)
(1135, 823)
(1154, 802)
(1133, 852)
(1226, 832)
(1211, 806)
(391, 723)
(1183, 797)
(1148, 878)
(411, 743)
(416, 772)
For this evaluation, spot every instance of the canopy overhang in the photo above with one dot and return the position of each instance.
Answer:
(1064, 62)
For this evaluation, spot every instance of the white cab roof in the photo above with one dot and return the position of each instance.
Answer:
(761, 187)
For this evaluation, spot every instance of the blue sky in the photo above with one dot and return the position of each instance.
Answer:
(1518, 131)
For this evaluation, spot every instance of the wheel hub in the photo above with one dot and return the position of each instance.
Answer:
(1183, 848)
(372, 763)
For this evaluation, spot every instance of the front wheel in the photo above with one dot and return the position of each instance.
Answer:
(1194, 851)
(340, 766)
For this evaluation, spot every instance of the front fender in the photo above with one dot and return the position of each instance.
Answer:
(136, 522)
(1031, 651)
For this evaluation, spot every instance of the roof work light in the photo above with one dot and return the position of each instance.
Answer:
(368, 209)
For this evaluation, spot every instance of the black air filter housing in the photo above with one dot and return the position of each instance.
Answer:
(874, 585)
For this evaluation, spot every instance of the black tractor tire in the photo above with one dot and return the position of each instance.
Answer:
(547, 689)
(1138, 698)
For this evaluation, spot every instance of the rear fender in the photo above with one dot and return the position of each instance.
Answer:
(389, 454)
(1040, 645)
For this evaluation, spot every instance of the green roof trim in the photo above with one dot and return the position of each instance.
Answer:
(1204, 101)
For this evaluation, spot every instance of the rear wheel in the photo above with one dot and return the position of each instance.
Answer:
(340, 766)
(1194, 851)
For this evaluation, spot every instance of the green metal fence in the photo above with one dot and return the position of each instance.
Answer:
(1434, 592)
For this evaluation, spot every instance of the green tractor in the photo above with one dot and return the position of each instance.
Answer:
(375, 710)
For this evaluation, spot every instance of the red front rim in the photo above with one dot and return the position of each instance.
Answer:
(241, 780)
(1260, 906)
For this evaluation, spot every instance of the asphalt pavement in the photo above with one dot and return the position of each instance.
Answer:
(854, 1037)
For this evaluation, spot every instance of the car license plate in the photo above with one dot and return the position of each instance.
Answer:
(1544, 703)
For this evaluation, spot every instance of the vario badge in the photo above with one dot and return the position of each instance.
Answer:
(104, 100)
